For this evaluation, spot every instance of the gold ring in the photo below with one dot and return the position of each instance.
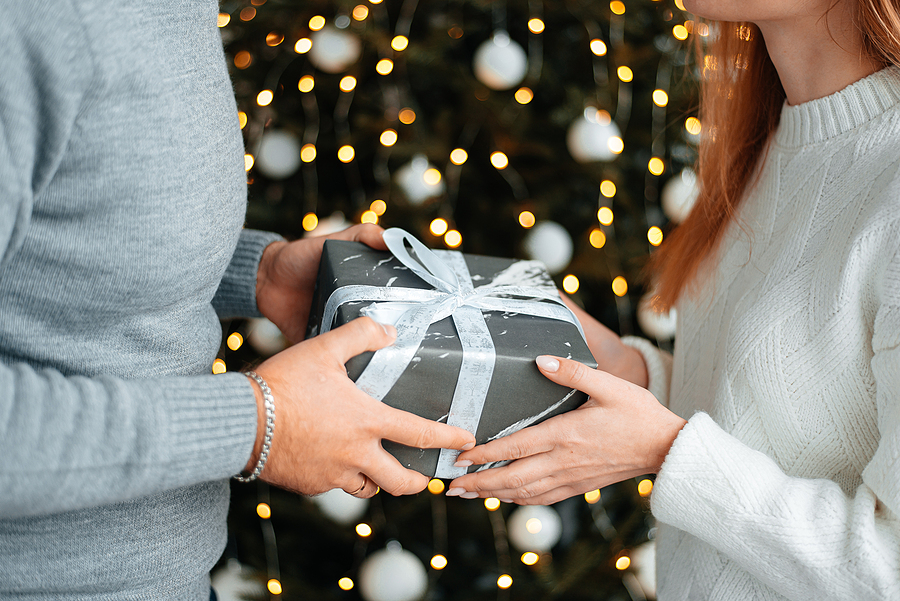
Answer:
(362, 486)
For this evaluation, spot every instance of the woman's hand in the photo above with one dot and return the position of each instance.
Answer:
(287, 277)
(610, 354)
(328, 433)
(620, 432)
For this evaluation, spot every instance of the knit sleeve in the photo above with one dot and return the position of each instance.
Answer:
(236, 295)
(659, 366)
(804, 538)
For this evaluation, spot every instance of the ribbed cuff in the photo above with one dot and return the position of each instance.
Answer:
(236, 296)
(659, 366)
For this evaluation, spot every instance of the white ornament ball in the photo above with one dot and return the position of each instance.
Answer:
(413, 179)
(589, 136)
(643, 561)
(500, 63)
(341, 507)
(392, 574)
(265, 337)
(233, 582)
(336, 222)
(679, 195)
(333, 50)
(550, 243)
(657, 325)
(279, 154)
(534, 528)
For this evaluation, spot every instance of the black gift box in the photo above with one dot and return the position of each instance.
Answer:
(517, 391)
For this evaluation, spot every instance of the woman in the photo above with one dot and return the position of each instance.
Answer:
(784, 482)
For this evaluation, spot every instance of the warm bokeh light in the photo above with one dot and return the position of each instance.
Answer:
(347, 84)
(399, 43)
(439, 226)
(306, 83)
(234, 341)
(499, 160)
(388, 137)
(316, 23)
(570, 284)
(492, 503)
(265, 98)
(655, 236)
(218, 367)
(680, 4)
(524, 95)
(527, 219)
(623, 562)
(592, 496)
(248, 13)
(607, 188)
(368, 216)
(407, 116)
(597, 238)
(436, 486)
(384, 66)
(656, 166)
(363, 529)
(223, 19)
(303, 46)
(360, 12)
(432, 176)
(308, 153)
(605, 215)
(693, 126)
(598, 47)
(439, 562)
(242, 59)
(248, 162)
(660, 98)
(504, 581)
(264, 511)
(703, 29)
(615, 145)
(345, 584)
(535, 25)
(680, 32)
(530, 558)
(619, 286)
(625, 73)
(645, 487)
(274, 587)
(533, 525)
(242, 119)
(310, 222)
(458, 156)
(346, 153)
(274, 38)
(378, 207)
(617, 7)
(452, 238)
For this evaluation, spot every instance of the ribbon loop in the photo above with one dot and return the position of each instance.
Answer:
(426, 264)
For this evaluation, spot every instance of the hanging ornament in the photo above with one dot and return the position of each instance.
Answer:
(679, 195)
(656, 325)
(265, 337)
(500, 63)
(550, 243)
(341, 507)
(594, 137)
(643, 561)
(234, 581)
(534, 528)
(333, 50)
(420, 180)
(392, 574)
(279, 154)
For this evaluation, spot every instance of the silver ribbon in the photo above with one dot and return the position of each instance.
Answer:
(413, 310)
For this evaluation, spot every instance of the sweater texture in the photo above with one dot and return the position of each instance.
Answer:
(122, 196)
(785, 483)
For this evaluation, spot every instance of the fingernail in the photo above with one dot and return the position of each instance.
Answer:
(462, 463)
(506, 500)
(455, 492)
(389, 330)
(547, 363)
(469, 495)
(468, 445)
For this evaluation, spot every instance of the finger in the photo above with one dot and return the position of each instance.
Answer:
(414, 431)
(572, 374)
(357, 485)
(367, 233)
(357, 336)
(524, 443)
(521, 479)
(392, 477)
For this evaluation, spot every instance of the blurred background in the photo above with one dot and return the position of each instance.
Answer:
(557, 130)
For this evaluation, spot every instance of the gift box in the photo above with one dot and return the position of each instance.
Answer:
(469, 329)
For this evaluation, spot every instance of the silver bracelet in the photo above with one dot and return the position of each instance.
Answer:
(270, 428)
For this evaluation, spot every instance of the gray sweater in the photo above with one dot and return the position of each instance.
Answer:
(122, 196)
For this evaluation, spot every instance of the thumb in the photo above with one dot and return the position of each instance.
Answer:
(356, 337)
(572, 374)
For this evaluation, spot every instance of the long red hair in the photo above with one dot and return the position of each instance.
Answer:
(740, 106)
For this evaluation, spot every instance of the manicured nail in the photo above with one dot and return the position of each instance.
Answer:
(547, 363)
(506, 500)
(467, 446)
(455, 492)
(462, 463)
(469, 495)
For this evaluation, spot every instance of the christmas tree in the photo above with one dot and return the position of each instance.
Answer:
(562, 131)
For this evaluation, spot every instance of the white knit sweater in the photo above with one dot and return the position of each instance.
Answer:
(785, 484)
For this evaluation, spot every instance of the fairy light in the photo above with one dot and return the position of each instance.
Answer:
(504, 581)
(375, 1)
(570, 284)
(623, 562)
(384, 66)
(303, 45)
(346, 153)
(524, 95)
(388, 137)
(680, 4)
(492, 503)
(619, 286)
(400, 43)
(680, 32)
(607, 188)
(535, 25)
(458, 156)
(406, 116)
(378, 207)
(432, 176)
(368, 216)
(242, 119)
(693, 126)
(316, 23)
(310, 222)
(360, 12)
(598, 47)
(248, 162)
(306, 84)
(218, 367)
(645, 487)
(242, 59)
(453, 238)
(660, 98)
(234, 341)
(439, 562)
(592, 496)
(435, 486)
(533, 525)
(247, 14)
(499, 160)
(308, 153)
(527, 219)
(655, 236)
(345, 584)
(274, 39)
(274, 587)
(597, 238)
(363, 530)
(439, 227)
(656, 166)
(530, 558)
(689, 25)
(347, 84)
(264, 511)
(265, 98)
(615, 144)
(605, 215)
(625, 73)
(617, 7)
(223, 19)
(455, 32)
